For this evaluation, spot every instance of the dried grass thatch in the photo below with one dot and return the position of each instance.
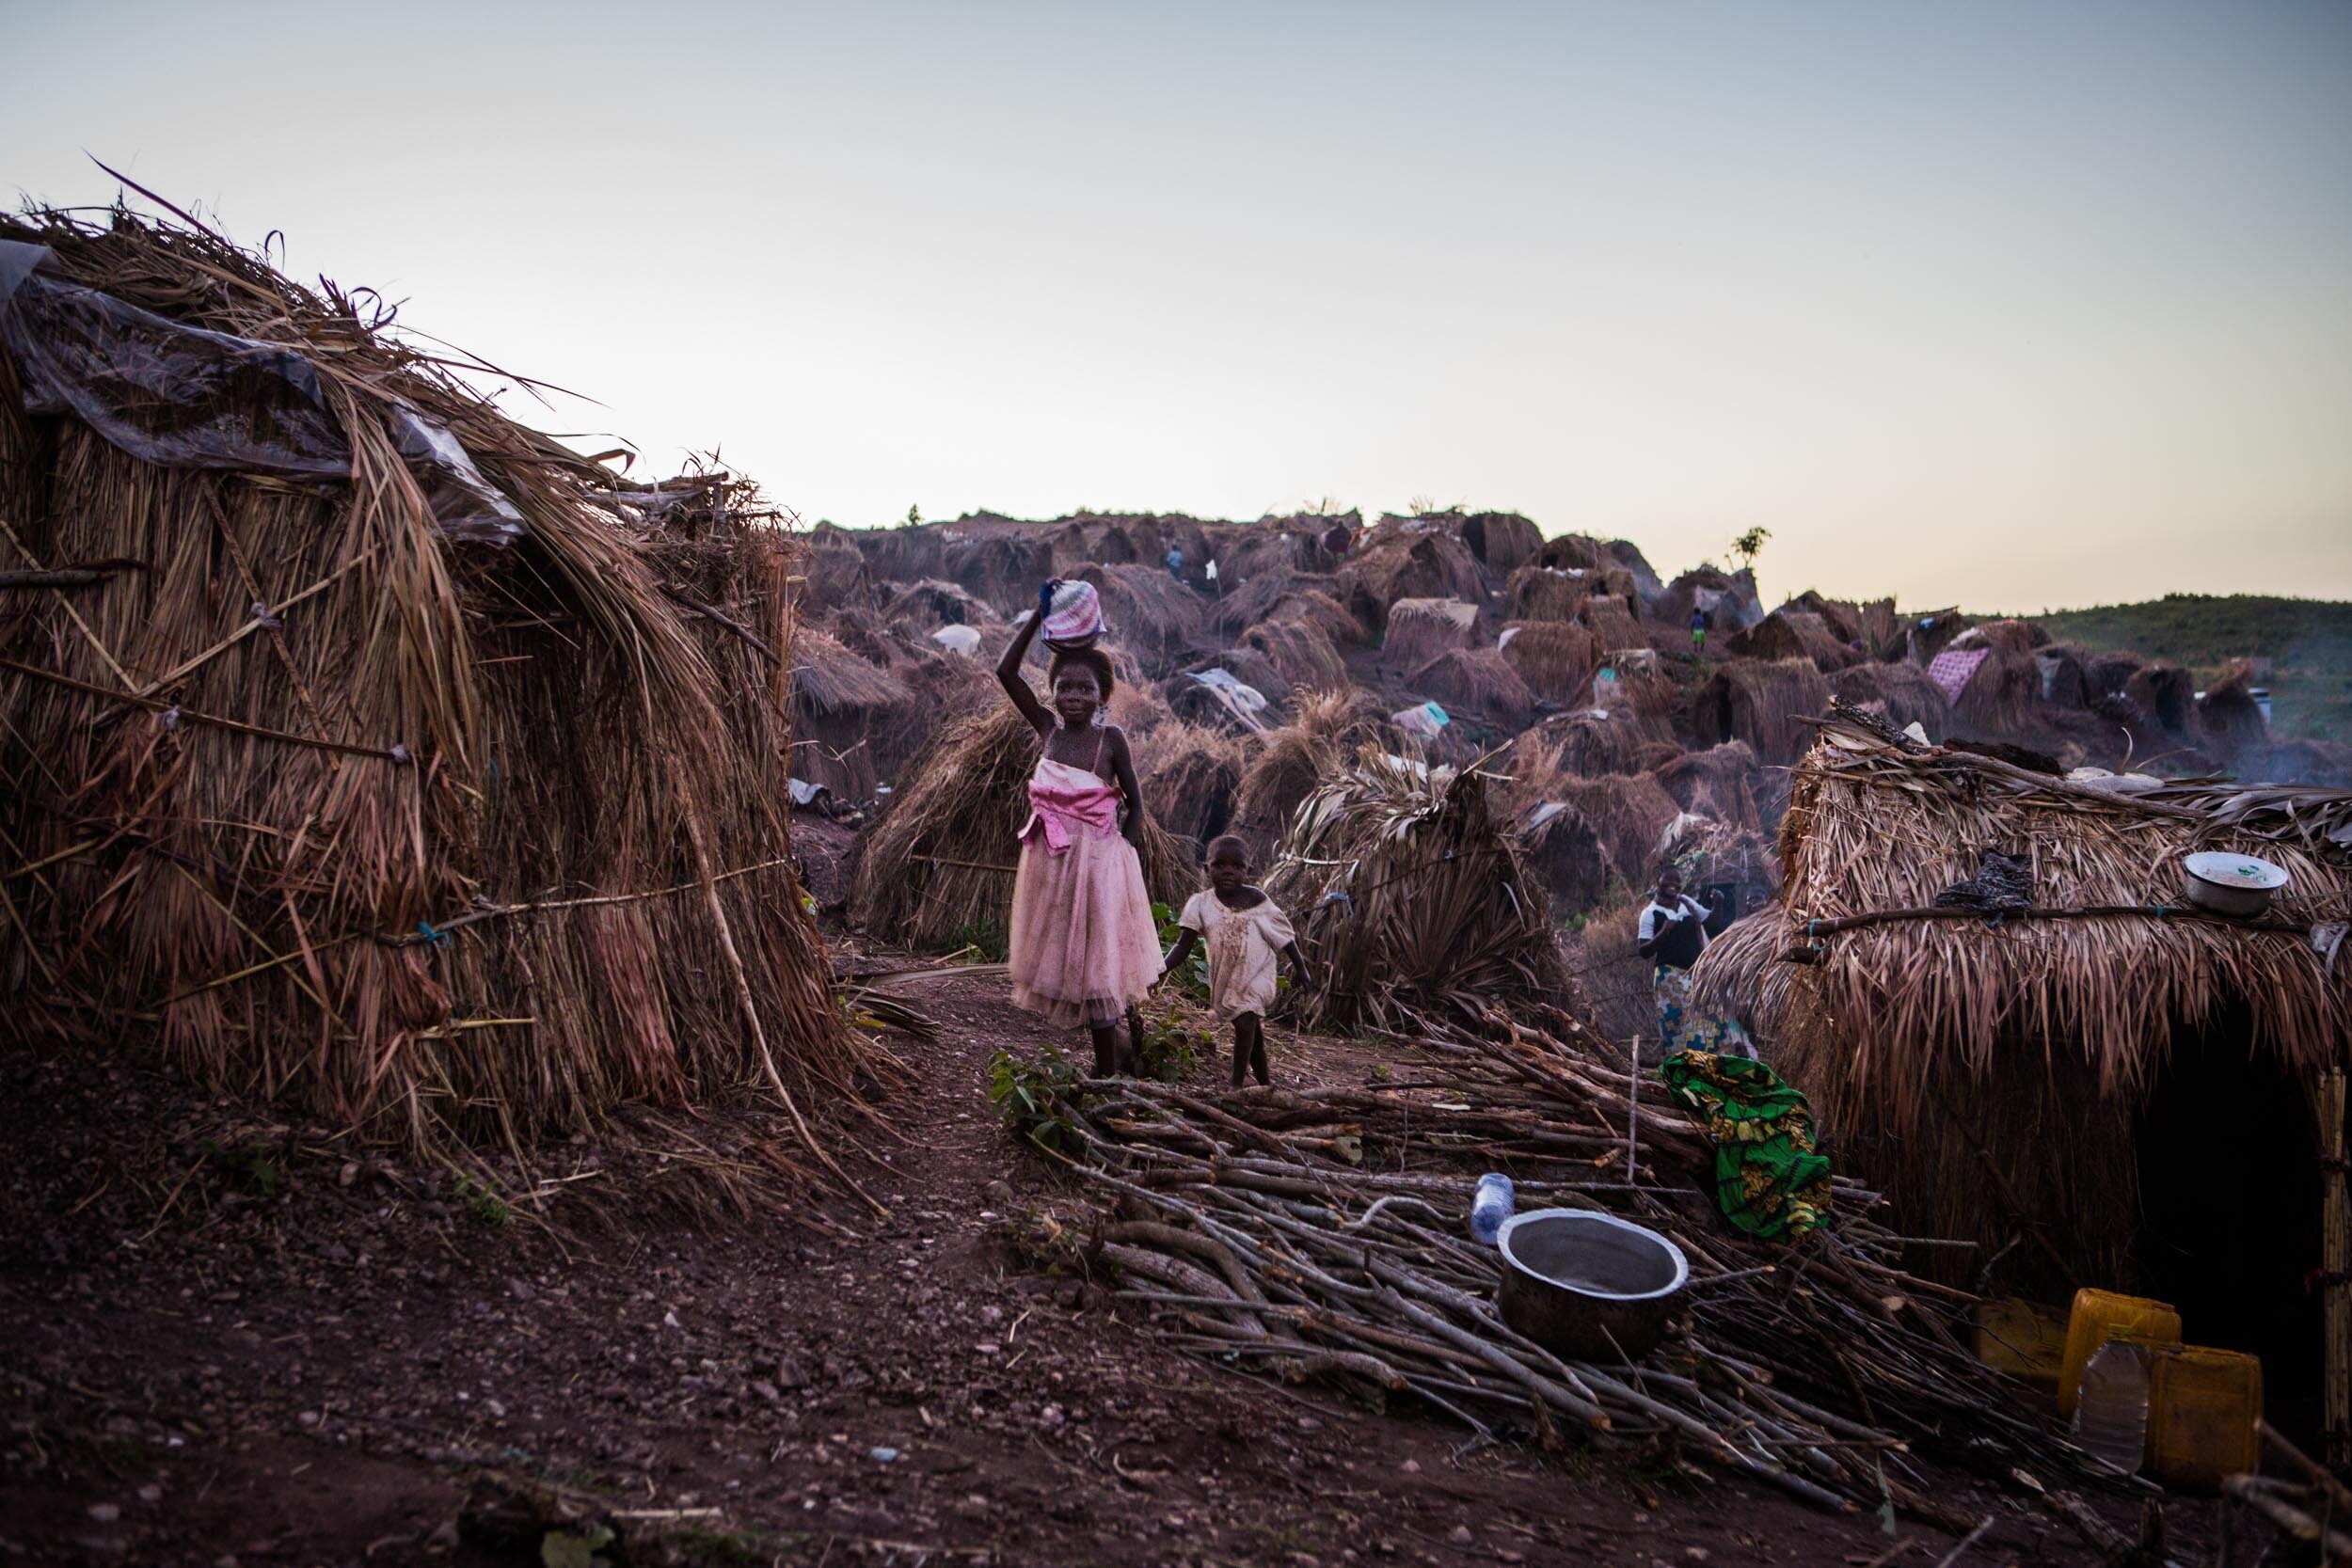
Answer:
(1420, 629)
(1151, 613)
(1763, 704)
(2230, 721)
(450, 837)
(2002, 700)
(1285, 596)
(1988, 1078)
(1002, 565)
(840, 703)
(1191, 780)
(1613, 623)
(943, 687)
(1502, 541)
(1794, 634)
(1398, 563)
(2011, 636)
(927, 604)
(1556, 661)
(1585, 744)
(1628, 812)
(1292, 762)
(1728, 598)
(1477, 682)
(1411, 900)
(2167, 694)
(836, 572)
(1299, 651)
(937, 872)
(1538, 593)
(1903, 692)
(1717, 783)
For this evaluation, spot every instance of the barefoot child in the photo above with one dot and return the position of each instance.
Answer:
(1083, 947)
(1246, 932)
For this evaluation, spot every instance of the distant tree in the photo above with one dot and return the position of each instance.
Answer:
(1748, 546)
(914, 515)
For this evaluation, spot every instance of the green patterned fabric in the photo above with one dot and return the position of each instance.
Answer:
(1768, 1180)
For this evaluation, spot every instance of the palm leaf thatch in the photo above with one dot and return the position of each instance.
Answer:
(1555, 659)
(1903, 692)
(1477, 681)
(1420, 629)
(1764, 703)
(430, 836)
(1292, 762)
(937, 872)
(1411, 900)
(1988, 1077)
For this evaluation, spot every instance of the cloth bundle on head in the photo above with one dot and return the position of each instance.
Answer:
(1074, 616)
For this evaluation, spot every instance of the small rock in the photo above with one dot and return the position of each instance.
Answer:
(106, 1514)
(766, 1390)
(1459, 1535)
(1411, 1467)
(1696, 1554)
(520, 1290)
(1050, 1416)
(150, 1493)
(349, 1173)
(882, 1456)
(307, 1419)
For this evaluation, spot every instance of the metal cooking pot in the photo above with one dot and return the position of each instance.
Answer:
(2231, 884)
(1588, 1285)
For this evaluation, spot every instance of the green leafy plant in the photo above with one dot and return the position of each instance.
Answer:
(482, 1202)
(1194, 980)
(576, 1548)
(1030, 1095)
(1171, 1046)
(982, 941)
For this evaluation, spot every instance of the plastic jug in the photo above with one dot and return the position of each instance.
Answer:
(2023, 1339)
(2098, 1315)
(1491, 1206)
(2205, 1407)
(2111, 1407)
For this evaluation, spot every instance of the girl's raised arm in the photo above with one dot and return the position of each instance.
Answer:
(1008, 673)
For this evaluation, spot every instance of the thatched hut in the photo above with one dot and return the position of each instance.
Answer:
(1502, 541)
(938, 869)
(1787, 633)
(941, 688)
(1727, 598)
(1903, 692)
(1191, 780)
(1717, 783)
(840, 703)
(1476, 682)
(1401, 562)
(835, 570)
(1537, 592)
(1292, 762)
(422, 773)
(927, 604)
(1588, 743)
(2167, 694)
(1556, 661)
(1928, 635)
(1299, 651)
(1613, 623)
(2230, 721)
(2105, 1088)
(2002, 699)
(1306, 596)
(1152, 615)
(1420, 629)
(1765, 703)
(1411, 900)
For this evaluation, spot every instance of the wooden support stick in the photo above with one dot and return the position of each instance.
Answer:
(2335, 1258)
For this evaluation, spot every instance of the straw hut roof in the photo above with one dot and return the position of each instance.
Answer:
(1307, 596)
(1502, 541)
(1764, 703)
(1998, 1075)
(1411, 900)
(1717, 783)
(930, 603)
(1612, 622)
(1299, 652)
(1556, 661)
(1728, 598)
(1002, 566)
(1152, 615)
(1420, 629)
(1292, 762)
(1191, 780)
(1787, 633)
(1476, 681)
(1403, 561)
(840, 703)
(476, 667)
(1538, 593)
(1585, 743)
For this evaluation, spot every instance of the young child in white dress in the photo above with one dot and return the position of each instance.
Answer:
(1246, 932)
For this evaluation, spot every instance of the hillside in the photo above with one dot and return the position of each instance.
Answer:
(2309, 640)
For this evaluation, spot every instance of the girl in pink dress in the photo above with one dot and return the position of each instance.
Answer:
(1083, 947)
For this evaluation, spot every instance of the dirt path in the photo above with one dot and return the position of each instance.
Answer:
(348, 1370)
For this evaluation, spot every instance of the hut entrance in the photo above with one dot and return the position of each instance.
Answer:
(2229, 1213)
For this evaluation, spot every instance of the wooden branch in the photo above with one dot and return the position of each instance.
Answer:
(714, 613)
(63, 577)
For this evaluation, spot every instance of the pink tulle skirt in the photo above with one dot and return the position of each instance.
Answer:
(1083, 945)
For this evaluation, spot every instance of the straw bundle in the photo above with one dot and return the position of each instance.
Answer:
(1900, 691)
(1151, 613)
(1411, 900)
(1420, 629)
(1585, 744)
(1555, 659)
(937, 872)
(1763, 704)
(1793, 634)
(1990, 1077)
(1191, 777)
(1476, 681)
(1293, 761)
(1299, 650)
(1716, 783)
(450, 839)
(2230, 721)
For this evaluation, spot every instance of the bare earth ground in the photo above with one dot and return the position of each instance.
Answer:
(360, 1366)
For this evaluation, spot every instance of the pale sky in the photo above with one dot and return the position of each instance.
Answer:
(2017, 304)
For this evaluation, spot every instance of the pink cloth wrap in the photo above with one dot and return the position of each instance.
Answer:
(1061, 810)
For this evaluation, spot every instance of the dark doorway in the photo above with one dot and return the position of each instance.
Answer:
(2230, 1215)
